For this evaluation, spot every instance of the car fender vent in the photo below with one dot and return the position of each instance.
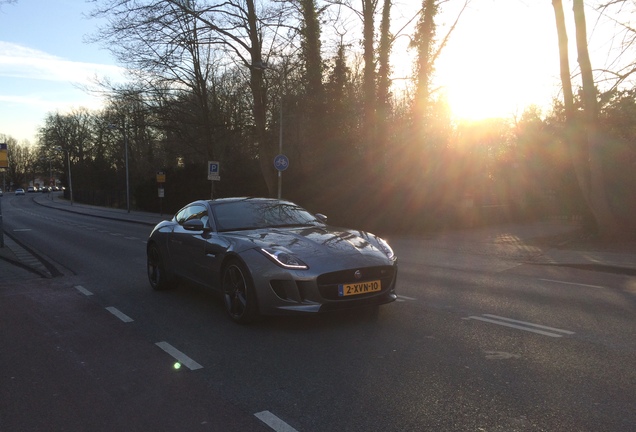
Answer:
(286, 290)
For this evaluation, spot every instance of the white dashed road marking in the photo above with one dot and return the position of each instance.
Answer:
(83, 290)
(119, 314)
(274, 422)
(179, 356)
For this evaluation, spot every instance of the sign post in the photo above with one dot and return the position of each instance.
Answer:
(281, 163)
(214, 170)
(161, 179)
(4, 157)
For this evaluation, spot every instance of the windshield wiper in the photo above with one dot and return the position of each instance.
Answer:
(292, 225)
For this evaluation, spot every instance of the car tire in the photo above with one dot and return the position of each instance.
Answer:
(239, 297)
(158, 276)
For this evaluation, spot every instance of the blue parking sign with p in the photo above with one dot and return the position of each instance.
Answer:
(213, 170)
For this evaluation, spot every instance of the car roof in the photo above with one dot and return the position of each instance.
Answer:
(219, 201)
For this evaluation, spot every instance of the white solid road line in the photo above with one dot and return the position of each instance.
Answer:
(522, 325)
(274, 422)
(179, 356)
(571, 283)
(119, 314)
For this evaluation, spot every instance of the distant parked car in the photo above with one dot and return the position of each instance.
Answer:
(19, 191)
(30, 189)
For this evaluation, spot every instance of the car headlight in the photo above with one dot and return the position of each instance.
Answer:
(384, 247)
(284, 259)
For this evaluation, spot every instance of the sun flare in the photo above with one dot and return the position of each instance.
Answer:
(498, 62)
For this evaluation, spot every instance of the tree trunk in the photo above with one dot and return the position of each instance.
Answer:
(369, 90)
(424, 39)
(583, 131)
(600, 207)
(313, 156)
(266, 149)
(384, 70)
(573, 129)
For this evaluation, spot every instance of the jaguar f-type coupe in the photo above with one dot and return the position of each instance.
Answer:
(270, 257)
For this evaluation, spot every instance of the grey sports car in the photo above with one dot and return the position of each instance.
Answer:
(270, 257)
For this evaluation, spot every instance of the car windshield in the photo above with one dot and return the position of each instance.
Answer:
(252, 214)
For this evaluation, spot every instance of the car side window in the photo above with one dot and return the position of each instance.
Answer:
(196, 211)
(182, 215)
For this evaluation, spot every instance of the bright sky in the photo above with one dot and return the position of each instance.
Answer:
(43, 60)
(502, 58)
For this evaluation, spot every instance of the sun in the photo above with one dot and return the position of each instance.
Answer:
(470, 101)
(501, 59)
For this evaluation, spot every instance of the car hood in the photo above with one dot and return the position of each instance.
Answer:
(317, 243)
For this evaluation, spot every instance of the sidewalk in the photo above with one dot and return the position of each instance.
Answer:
(551, 242)
(57, 201)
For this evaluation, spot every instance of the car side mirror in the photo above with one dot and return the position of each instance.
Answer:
(321, 217)
(194, 225)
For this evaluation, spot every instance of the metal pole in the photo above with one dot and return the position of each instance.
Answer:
(127, 181)
(70, 181)
(280, 148)
(50, 178)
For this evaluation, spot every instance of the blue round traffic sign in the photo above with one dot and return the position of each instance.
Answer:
(281, 162)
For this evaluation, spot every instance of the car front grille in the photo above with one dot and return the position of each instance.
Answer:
(328, 283)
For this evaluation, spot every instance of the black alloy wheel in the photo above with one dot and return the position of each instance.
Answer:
(157, 274)
(238, 293)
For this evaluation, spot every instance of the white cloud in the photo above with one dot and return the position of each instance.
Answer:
(18, 61)
(34, 83)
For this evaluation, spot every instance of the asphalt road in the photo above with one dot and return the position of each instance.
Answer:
(480, 339)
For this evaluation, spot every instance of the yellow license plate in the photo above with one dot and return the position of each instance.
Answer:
(359, 288)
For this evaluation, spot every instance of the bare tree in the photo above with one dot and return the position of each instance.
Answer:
(384, 82)
(177, 39)
(369, 8)
(18, 161)
(623, 68)
(310, 86)
(366, 13)
(429, 48)
(586, 141)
